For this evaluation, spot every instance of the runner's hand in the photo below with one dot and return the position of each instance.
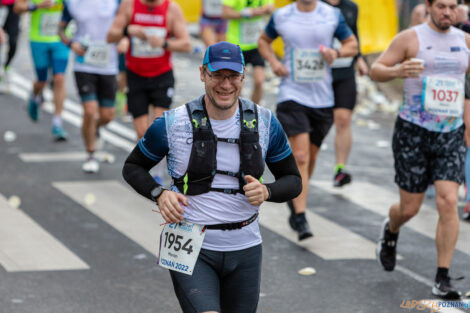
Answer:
(136, 31)
(329, 55)
(258, 11)
(123, 45)
(255, 192)
(77, 48)
(279, 69)
(169, 205)
(45, 4)
(362, 66)
(155, 42)
(410, 69)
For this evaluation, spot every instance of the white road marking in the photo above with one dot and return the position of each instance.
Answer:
(120, 207)
(60, 156)
(330, 242)
(72, 114)
(26, 246)
(378, 200)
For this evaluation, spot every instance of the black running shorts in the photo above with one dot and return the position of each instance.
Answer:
(96, 87)
(422, 156)
(253, 57)
(345, 93)
(297, 119)
(144, 91)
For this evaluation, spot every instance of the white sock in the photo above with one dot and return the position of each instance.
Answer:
(57, 120)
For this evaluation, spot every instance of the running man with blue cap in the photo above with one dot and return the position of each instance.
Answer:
(216, 148)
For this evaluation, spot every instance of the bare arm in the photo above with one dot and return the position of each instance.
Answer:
(22, 6)
(264, 47)
(389, 65)
(122, 19)
(62, 35)
(349, 47)
(180, 40)
(228, 13)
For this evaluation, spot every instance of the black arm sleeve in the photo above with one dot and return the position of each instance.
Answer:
(288, 183)
(136, 173)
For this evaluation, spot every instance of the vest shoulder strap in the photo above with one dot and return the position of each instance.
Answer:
(197, 115)
(249, 115)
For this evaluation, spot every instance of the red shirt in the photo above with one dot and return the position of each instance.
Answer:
(141, 58)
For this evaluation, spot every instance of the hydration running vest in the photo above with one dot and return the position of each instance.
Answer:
(202, 165)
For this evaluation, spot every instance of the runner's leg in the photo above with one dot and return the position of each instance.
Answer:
(448, 224)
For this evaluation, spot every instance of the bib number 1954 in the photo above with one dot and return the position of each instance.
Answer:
(180, 244)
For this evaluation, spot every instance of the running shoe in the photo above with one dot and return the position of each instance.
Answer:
(466, 212)
(301, 226)
(443, 288)
(342, 178)
(387, 247)
(33, 108)
(59, 133)
(91, 165)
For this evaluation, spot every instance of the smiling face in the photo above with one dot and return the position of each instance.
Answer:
(222, 87)
(442, 12)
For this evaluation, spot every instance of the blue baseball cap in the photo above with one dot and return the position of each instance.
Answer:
(224, 56)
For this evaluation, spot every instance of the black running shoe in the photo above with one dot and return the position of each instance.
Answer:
(342, 178)
(387, 248)
(302, 227)
(444, 289)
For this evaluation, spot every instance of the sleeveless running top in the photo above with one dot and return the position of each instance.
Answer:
(143, 59)
(45, 23)
(437, 89)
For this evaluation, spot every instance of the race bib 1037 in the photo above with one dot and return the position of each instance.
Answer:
(443, 96)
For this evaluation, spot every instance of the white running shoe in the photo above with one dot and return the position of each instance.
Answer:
(91, 165)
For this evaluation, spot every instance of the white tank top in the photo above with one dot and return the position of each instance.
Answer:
(434, 101)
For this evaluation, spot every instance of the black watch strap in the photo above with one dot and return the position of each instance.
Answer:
(157, 192)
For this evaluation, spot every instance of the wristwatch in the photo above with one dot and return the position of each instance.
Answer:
(157, 191)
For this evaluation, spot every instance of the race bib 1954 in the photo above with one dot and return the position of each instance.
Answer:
(180, 244)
